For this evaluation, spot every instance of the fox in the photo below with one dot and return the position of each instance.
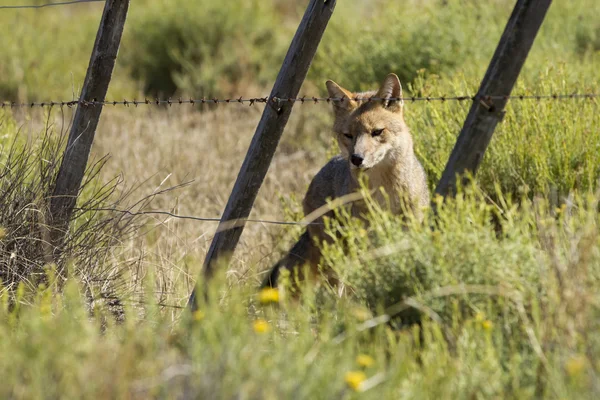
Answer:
(373, 140)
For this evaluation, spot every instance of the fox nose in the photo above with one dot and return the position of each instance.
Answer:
(356, 160)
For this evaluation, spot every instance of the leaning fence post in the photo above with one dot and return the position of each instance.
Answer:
(498, 82)
(264, 143)
(81, 136)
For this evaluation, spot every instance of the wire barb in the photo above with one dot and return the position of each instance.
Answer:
(64, 3)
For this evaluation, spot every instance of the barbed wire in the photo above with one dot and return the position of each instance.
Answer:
(279, 100)
(64, 3)
(233, 223)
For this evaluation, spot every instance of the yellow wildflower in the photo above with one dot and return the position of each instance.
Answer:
(575, 365)
(268, 295)
(198, 315)
(479, 317)
(487, 325)
(365, 360)
(261, 326)
(354, 379)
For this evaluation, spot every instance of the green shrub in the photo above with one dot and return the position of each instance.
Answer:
(205, 48)
(520, 273)
(539, 147)
(46, 54)
(418, 259)
(588, 38)
(363, 45)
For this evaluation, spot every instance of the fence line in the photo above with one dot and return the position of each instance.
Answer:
(64, 3)
(485, 99)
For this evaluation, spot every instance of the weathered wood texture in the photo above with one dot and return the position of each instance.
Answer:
(81, 136)
(274, 118)
(501, 75)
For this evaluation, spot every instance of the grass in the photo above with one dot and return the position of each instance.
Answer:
(504, 284)
(524, 329)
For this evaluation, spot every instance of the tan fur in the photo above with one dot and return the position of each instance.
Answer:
(388, 161)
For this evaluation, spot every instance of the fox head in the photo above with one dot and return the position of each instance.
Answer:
(371, 134)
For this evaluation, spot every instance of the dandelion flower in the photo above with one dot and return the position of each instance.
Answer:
(268, 295)
(365, 360)
(354, 379)
(261, 326)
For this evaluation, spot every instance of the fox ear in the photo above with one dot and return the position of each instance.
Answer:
(344, 106)
(391, 88)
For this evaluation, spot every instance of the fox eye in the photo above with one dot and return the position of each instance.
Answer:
(377, 132)
(349, 136)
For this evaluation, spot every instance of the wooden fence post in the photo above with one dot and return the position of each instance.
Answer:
(501, 75)
(264, 143)
(81, 136)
